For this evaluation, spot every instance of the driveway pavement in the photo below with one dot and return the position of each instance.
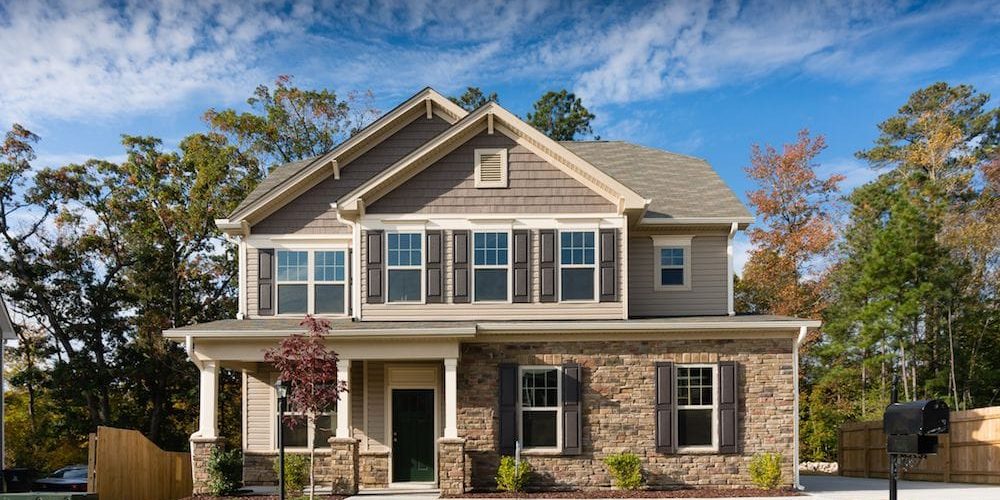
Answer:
(853, 488)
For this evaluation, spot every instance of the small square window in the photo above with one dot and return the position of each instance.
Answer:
(672, 270)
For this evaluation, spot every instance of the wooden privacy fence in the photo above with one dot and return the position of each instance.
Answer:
(124, 465)
(969, 453)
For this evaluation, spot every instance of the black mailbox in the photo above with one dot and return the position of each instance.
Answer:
(928, 417)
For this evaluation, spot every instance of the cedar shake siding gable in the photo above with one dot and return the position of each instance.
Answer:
(311, 212)
(534, 186)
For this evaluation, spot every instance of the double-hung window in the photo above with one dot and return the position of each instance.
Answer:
(317, 431)
(577, 268)
(321, 290)
(405, 267)
(697, 407)
(672, 262)
(540, 406)
(490, 263)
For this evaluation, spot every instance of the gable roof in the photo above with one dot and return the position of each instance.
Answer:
(680, 187)
(493, 117)
(300, 175)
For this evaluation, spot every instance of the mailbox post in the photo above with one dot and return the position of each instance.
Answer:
(912, 430)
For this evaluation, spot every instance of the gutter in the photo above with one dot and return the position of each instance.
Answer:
(666, 221)
(355, 334)
(641, 326)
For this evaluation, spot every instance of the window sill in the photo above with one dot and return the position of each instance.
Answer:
(697, 451)
(672, 288)
(542, 452)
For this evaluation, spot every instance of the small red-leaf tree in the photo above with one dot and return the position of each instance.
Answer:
(310, 368)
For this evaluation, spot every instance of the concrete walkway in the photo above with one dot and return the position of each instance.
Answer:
(853, 488)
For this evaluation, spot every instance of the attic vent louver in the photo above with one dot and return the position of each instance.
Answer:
(491, 168)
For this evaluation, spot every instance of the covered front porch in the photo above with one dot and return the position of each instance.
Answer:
(395, 427)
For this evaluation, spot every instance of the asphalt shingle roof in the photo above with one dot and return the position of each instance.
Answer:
(679, 185)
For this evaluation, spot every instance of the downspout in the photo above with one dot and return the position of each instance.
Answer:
(795, 406)
(242, 295)
(355, 262)
(729, 264)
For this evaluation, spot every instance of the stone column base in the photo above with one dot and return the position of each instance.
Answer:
(374, 469)
(451, 466)
(201, 449)
(344, 465)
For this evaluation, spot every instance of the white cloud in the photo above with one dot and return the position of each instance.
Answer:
(856, 172)
(85, 59)
(741, 252)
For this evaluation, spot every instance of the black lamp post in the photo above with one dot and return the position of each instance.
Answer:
(282, 388)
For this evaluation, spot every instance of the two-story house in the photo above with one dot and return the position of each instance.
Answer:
(488, 288)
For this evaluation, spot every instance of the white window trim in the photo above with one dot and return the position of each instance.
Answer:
(422, 267)
(310, 430)
(660, 242)
(559, 407)
(714, 407)
(507, 267)
(504, 167)
(597, 259)
(311, 282)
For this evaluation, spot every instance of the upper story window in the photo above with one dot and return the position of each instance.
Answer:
(322, 291)
(672, 262)
(577, 268)
(491, 168)
(405, 265)
(490, 263)
(697, 408)
(540, 406)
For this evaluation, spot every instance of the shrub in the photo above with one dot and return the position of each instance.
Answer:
(765, 470)
(511, 475)
(296, 473)
(626, 470)
(225, 471)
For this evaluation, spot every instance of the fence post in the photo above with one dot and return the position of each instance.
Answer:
(946, 449)
(840, 450)
(92, 463)
(867, 448)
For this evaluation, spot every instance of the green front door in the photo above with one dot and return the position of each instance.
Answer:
(412, 435)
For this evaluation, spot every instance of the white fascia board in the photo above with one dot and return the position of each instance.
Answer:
(645, 326)
(672, 221)
(408, 333)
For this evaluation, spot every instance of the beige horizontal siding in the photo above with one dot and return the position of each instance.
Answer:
(709, 285)
(448, 186)
(260, 412)
(357, 395)
(493, 312)
(375, 428)
(311, 213)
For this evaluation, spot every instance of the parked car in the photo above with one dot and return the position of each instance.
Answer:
(72, 478)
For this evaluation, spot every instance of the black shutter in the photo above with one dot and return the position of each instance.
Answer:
(265, 281)
(375, 292)
(522, 266)
(435, 257)
(728, 398)
(572, 391)
(547, 265)
(507, 408)
(665, 407)
(460, 267)
(609, 265)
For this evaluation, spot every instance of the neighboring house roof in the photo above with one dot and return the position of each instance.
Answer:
(347, 328)
(6, 326)
(680, 186)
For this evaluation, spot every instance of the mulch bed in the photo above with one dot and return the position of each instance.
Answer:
(258, 496)
(678, 493)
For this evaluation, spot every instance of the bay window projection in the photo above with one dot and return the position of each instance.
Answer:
(490, 266)
(405, 264)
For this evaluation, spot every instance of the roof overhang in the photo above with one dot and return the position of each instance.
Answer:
(667, 325)
(182, 335)
(427, 102)
(493, 118)
(741, 222)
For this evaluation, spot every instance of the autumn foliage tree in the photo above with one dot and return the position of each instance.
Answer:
(783, 274)
(310, 368)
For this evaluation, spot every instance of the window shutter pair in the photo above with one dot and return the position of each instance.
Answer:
(572, 414)
(609, 265)
(728, 398)
(373, 260)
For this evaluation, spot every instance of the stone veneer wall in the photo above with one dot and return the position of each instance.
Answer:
(201, 450)
(258, 468)
(618, 409)
(374, 465)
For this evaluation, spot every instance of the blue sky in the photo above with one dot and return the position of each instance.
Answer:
(700, 78)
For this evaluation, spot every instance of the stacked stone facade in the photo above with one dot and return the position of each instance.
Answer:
(618, 409)
(201, 450)
(451, 466)
(344, 465)
(374, 471)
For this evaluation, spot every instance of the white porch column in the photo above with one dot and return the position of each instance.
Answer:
(344, 403)
(208, 410)
(451, 398)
